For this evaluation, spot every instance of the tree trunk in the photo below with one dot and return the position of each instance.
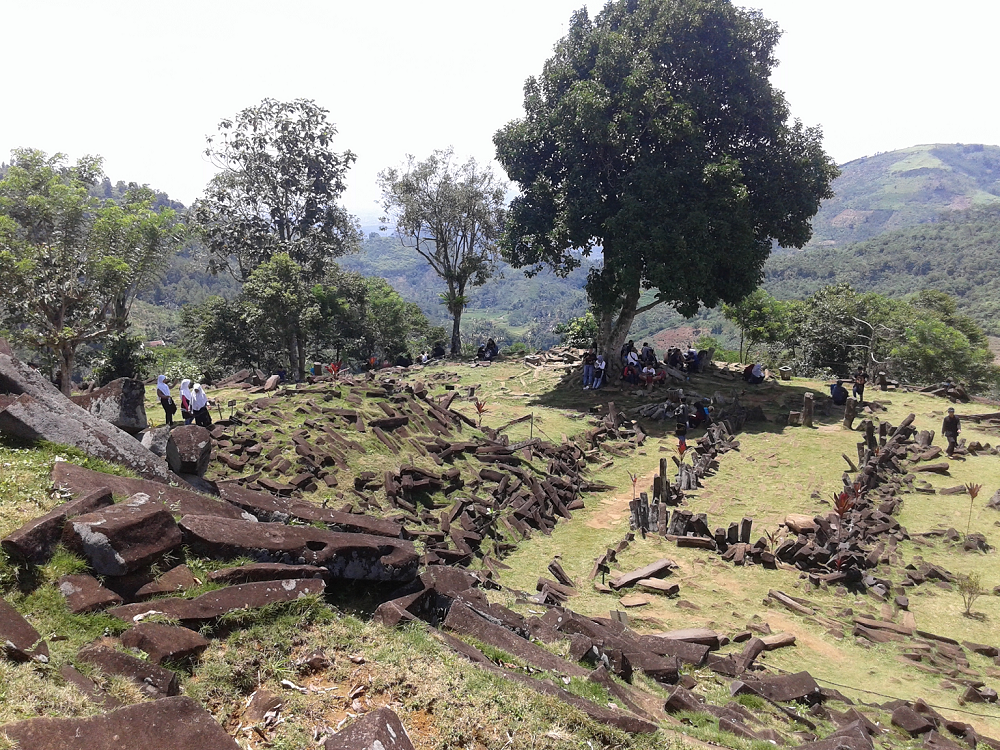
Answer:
(292, 352)
(612, 331)
(302, 357)
(456, 333)
(67, 358)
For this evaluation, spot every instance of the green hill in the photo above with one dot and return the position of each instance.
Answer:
(897, 189)
(959, 254)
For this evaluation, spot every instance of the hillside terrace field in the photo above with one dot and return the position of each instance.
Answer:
(446, 702)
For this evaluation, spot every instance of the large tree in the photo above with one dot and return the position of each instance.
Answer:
(276, 191)
(452, 215)
(655, 137)
(72, 264)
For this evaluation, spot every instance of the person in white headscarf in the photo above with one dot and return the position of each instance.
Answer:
(199, 405)
(163, 393)
(186, 397)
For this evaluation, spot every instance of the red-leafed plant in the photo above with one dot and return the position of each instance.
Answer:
(973, 490)
(635, 480)
(481, 409)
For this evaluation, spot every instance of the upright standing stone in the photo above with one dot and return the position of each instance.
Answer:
(850, 413)
(808, 402)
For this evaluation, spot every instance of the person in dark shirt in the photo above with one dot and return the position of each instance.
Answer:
(589, 363)
(681, 427)
(860, 378)
(839, 393)
(950, 429)
(438, 350)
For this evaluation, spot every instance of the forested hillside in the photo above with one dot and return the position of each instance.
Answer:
(897, 189)
(959, 255)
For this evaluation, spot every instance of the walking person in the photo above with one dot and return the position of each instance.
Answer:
(950, 429)
(163, 393)
(860, 378)
(186, 396)
(681, 427)
(589, 361)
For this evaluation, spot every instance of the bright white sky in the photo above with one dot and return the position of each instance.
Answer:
(143, 83)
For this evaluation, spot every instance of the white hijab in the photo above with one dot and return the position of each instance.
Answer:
(161, 386)
(186, 390)
(200, 400)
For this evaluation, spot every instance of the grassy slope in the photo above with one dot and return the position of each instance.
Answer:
(448, 703)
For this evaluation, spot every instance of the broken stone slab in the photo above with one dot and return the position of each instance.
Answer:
(19, 640)
(173, 581)
(800, 523)
(910, 721)
(180, 501)
(34, 542)
(267, 507)
(354, 556)
(86, 686)
(155, 440)
(634, 600)
(777, 640)
(658, 569)
(377, 730)
(121, 402)
(153, 681)
(42, 412)
(214, 604)
(702, 636)
(660, 586)
(122, 538)
(164, 642)
(799, 687)
(84, 593)
(189, 449)
(166, 724)
(462, 619)
(257, 572)
(689, 653)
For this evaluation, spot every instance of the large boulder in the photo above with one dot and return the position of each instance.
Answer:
(215, 604)
(354, 556)
(18, 638)
(122, 538)
(34, 542)
(155, 440)
(121, 402)
(380, 729)
(39, 411)
(189, 449)
(80, 481)
(167, 724)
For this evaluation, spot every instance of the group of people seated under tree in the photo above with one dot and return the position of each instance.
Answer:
(641, 367)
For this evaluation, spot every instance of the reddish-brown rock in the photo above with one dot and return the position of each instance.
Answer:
(34, 542)
(189, 449)
(18, 638)
(355, 556)
(256, 572)
(377, 730)
(84, 593)
(122, 538)
(217, 603)
(154, 681)
(164, 642)
(173, 581)
(167, 724)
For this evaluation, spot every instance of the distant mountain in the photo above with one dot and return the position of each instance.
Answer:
(898, 189)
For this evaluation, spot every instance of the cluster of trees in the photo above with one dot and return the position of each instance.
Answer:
(919, 339)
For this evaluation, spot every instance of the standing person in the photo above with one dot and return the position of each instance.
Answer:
(199, 405)
(186, 396)
(950, 429)
(681, 427)
(163, 393)
(860, 378)
(599, 368)
(589, 360)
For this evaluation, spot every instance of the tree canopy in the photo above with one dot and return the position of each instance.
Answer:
(654, 135)
(72, 263)
(452, 215)
(277, 191)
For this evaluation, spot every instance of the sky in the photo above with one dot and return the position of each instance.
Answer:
(143, 84)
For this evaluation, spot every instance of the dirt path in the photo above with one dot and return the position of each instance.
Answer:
(614, 509)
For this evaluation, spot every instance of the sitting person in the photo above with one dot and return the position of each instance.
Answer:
(691, 361)
(491, 350)
(647, 356)
(756, 376)
(404, 359)
(438, 350)
(675, 359)
(838, 393)
(599, 368)
(628, 346)
(631, 371)
(649, 375)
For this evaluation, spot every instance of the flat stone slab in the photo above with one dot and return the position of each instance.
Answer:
(180, 501)
(86, 686)
(800, 523)
(214, 604)
(268, 507)
(910, 721)
(660, 586)
(18, 638)
(799, 687)
(164, 642)
(353, 556)
(173, 581)
(257, 572)
(658, 569)
(703, 636)
(376, 730)
(122, 538)
(154, 681)
(34, 542)
(634, 600)
(84, 593)
(167, 724)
